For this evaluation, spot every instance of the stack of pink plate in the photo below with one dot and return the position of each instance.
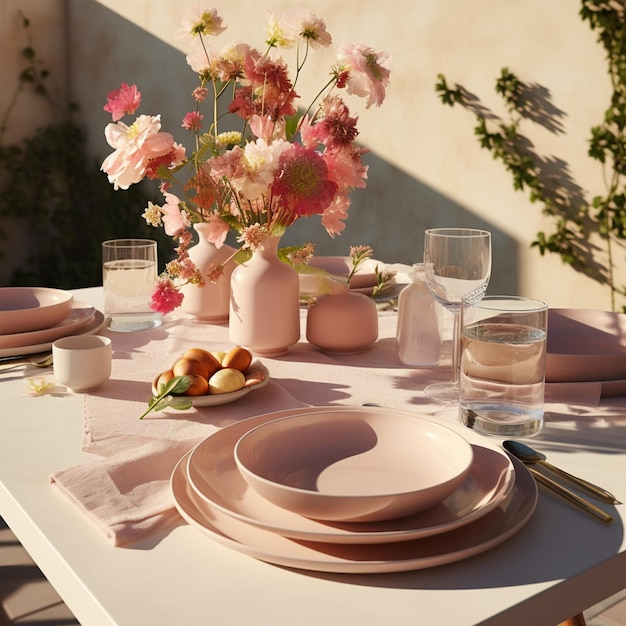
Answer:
(492, 499)
(31, 318)
(587, 345)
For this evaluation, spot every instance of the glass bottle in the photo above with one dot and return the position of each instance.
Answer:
(418, 335)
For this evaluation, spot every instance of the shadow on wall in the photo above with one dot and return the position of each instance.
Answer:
(390, 214)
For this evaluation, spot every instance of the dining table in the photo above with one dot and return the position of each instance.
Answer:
(85, 487)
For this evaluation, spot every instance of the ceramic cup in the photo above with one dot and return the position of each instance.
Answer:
(82, 362)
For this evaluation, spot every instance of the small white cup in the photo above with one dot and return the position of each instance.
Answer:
(82, 362)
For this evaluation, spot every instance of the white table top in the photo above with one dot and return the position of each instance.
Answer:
(560, 563)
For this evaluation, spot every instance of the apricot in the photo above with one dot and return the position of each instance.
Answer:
(226, 380)
(199, 385)
(211, 362)
(219, 355)
(189, 367)
(238, 358)
(163, 379)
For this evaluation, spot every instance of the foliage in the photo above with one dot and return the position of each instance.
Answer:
(575, 219)
(52, 191)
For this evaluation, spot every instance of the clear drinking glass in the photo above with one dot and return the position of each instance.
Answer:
(503, 357)
(129, 270)
(458, 266)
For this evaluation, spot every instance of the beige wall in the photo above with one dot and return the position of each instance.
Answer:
(426, 168)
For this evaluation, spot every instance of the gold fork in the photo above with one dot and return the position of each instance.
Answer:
(43, 361)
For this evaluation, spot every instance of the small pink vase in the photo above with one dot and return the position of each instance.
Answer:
(342, 323)
(265, 303)
(211, 302)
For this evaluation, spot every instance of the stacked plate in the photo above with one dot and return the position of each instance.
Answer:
(31, 318)
(487, 496)
(587, 345)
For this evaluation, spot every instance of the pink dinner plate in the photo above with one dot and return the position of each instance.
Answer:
(481, 535)
(79, 315)
(91, 326)
(214, 476)
(585, 345)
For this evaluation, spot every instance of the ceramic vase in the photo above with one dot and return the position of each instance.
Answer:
(211, 302)
(265, 303)
(342, 323)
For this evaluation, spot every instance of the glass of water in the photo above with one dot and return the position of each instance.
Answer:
(129, 270)
(502, 373)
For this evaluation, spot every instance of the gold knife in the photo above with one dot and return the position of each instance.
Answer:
(570, 496)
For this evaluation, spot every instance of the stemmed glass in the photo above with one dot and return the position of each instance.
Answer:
(457, 267)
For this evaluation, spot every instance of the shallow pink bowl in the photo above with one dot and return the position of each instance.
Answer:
(26, 309)
(353, 465)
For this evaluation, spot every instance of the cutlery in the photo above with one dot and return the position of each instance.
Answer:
(570, 496)
(529, 456)
(44, 360)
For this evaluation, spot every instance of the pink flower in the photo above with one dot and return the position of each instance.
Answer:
(124, 100)
(218, 229)
(193, 121)
(296, 23)
(174, 220)
(346, 169)
(269, 92)
(165, 297)
(368, 72)
(200, 94)
(135, 146)
(198, 22)
(336, 129)
(302, 181)
(229, 64)
(334, 216)
(264, 127)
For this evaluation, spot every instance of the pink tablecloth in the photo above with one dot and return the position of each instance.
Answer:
(125, 490)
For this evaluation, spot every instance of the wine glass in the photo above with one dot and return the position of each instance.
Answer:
(458, 266)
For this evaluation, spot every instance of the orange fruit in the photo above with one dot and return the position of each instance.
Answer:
(239, 358)
(199, 386)
(211, 362)
(190, 367)
(163, 379)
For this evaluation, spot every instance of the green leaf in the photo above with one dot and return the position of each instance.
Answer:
(168, 396)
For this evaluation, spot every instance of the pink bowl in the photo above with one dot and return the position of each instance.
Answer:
(26, 309)
(353, 465)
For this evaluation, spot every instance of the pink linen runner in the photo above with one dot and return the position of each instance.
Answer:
(125, 491)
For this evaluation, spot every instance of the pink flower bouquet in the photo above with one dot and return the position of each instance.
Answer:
(284, 163)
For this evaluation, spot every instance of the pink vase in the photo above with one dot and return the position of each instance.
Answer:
(211, 302)
(342, 323)
(265, 303)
